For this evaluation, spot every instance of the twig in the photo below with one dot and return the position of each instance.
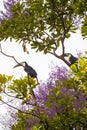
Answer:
(8, 94)
(19, 109)
(31, 89)
(60, 57)
(8, 55)
(6, 102)
(50, 37)
(31, 104)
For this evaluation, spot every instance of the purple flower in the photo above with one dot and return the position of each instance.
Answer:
(64, 90)
(31, 122)
(60, 73)
(51, 112)
(80, 101)
(80, 54)
(7, 6)
(28, 128)
(41, 94)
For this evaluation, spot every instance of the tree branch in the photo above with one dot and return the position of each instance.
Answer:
(8, 55)
(33, 94)
(11, 96)
(6, 103)
(50, 37)
(60, 57)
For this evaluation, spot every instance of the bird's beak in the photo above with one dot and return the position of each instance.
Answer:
(17, 65)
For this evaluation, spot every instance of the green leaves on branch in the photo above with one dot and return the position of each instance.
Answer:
(63, 96)
(42, 23)
(21, 88)
(4, 80)
(80, 71)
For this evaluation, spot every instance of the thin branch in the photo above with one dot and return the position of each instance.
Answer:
(52, 40)
(8, 94)
(36, 36)
(60, 57)
(50, 36)
(43, 121)
(19, 109)
(63, 47)
(7, 101)
(8, 55)
(54, 54)
(31, 104)
(33, 94)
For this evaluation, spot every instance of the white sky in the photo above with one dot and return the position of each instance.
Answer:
(38, 61)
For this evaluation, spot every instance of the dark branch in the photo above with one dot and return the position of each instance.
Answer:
(6, 103)
(60, 57)
(33, 94)
(50, 37)
(8, 55)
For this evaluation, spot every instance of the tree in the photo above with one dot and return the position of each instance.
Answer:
(44, 28)
(60, 103)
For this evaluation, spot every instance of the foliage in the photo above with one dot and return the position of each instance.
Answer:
(60, 103)
(44, 28)
(4, 79)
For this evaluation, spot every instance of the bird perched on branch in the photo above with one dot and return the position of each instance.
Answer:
(72, 59)
(28, 69)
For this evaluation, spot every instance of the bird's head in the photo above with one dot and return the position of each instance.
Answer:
(23, 64)
(67, 54)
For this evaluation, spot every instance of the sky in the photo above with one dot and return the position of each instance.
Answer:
(40, 62)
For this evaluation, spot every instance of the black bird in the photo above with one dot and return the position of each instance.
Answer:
(28, 69)
(72, 59)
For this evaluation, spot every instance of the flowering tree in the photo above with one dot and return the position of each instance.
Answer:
(60, 103)
(44, 28)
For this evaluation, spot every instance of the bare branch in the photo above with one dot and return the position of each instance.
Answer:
(8, 94)
(7, 101)
(54, 54)
(8, 55)
(60, 57)
(9, 105)
(30, 113)
(11, 96)
(63, 47)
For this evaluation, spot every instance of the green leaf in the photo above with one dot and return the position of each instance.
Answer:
(68, 35)
(0, 97)
(30, 22)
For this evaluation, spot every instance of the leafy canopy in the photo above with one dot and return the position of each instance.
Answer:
(62, 96)
(43, 24)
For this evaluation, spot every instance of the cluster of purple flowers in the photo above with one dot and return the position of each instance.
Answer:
(7, 13)
(54, 99)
